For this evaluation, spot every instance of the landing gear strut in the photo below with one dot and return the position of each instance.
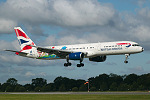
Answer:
(126, 60)
(67, 64)
(81, 64)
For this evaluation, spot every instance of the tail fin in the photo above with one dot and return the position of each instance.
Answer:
(24, 40)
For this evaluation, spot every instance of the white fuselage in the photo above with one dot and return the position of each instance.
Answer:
(104, 48)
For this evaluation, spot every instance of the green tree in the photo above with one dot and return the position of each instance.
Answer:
(141, 87)
(39, 82)
(79, 82)
(69, 83)
(123, 87)
(103, 87)
(93, 89)
(99, 80)
(115, 78)
(83, 88)
(130, 79)
(22, 89)
(17, 88)
(45, 89)
(113, 86)
(4, 86)
(62, 88)
(28, 87)
(134, 87)
(12, 81)
(74, 89)
(9, 88)
(0, 87)
(48, 87)
(37, 89)
(144, 80)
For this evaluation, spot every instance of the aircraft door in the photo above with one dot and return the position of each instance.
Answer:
(99, 47)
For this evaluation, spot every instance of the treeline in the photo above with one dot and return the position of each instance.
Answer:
(102, 82)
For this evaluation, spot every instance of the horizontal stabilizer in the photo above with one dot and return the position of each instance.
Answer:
(18, 52)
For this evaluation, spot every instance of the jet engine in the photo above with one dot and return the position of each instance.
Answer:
(98, 59)
(76, 56)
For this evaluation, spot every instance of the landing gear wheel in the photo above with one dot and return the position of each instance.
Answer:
(126, 62)
(82, 64)
(78, 65)
(69, 64)
(65, 64)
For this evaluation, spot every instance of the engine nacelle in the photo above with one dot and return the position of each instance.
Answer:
(76, 56)
(98, 59)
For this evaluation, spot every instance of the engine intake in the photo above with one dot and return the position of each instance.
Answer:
(98, 59)
(76, 56)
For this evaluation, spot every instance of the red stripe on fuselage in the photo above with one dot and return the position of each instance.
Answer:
(123, 44)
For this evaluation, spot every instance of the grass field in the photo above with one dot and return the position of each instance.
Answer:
(71, 97)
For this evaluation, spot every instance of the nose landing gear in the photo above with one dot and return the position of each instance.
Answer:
(126, 60)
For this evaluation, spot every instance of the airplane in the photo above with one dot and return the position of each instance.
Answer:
(96, 52)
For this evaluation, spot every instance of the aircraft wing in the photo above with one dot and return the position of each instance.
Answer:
(58, 52)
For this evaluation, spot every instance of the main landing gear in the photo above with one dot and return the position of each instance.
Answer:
(127, 55)
(80, 65)
(69, 64)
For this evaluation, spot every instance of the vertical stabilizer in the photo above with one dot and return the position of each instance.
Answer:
(24, 41)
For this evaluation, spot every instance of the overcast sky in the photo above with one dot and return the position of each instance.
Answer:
(58, 22)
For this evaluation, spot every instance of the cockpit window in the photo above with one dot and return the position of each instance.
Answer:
(135, 45)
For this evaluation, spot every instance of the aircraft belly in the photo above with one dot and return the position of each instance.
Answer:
(48, 58)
